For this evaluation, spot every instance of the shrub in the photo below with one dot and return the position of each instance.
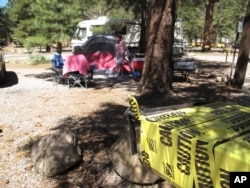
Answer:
(38, 59)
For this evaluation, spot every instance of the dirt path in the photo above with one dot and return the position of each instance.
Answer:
(32, 105)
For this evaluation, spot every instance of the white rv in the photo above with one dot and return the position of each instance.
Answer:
(130, 31)
(84, 29)
(179, 41)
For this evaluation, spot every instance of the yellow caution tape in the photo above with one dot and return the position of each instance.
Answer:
(134, 107)
(167, 140)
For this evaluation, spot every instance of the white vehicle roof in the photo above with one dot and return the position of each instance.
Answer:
(100, 21)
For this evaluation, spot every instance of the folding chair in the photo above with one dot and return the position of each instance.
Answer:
(57, 65)
(76, 70)
(76, 78)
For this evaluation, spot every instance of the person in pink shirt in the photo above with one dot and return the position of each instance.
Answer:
(121, 52)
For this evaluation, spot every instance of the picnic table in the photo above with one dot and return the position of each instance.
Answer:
(184, 65)
(193, 145)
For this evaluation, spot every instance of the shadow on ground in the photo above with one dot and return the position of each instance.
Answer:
(96, 83)
(96, 134)
(197, 88)
(99, 131)
(11, 79)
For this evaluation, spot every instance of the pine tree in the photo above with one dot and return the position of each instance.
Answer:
(243, 57)
(159, 47)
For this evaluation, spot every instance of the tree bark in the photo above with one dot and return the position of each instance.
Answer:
(159, 47)
(142, 45)
(208, 26)
(243, 57)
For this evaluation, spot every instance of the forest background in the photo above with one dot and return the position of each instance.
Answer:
(46, 23)
(42, 23)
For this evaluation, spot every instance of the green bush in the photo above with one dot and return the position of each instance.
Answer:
(227, 50)
(38, 59)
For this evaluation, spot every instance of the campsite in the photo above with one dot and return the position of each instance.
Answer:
(95, 114)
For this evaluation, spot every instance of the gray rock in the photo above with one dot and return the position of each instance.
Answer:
(218, 79)
(211, 76)
(54, 154)
(221, 79)
(129, 166)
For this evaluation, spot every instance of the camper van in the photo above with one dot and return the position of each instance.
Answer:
(129, 29)
(179, 48)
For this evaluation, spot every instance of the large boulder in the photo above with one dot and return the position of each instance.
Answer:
(129, 166)
(54, 154)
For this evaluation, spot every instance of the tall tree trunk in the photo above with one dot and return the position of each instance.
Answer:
(8, 39)
(243, 57)
(159, 47)
(208, 26)
(142, 45)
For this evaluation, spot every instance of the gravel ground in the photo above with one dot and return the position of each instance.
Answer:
(32, 105)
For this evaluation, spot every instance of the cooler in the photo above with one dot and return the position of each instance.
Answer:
(137, 63)
(137, 66)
